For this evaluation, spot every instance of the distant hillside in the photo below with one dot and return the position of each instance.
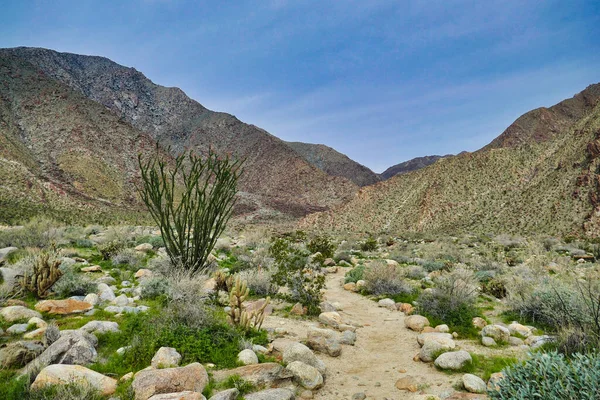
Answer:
(334, 163)
(276, 178)
(541, 175)
(410, 165)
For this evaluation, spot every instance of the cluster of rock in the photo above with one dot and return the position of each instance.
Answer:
(514, 334)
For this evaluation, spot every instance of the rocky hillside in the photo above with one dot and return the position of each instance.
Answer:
(335, 163)
(540, 176)
(410, 165)
(81, 94)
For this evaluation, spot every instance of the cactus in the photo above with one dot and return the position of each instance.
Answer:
(238, 316)
(45, 274)
(223, 281)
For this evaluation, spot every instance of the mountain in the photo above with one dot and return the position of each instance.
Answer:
(541, 175)
(276, 181)
(334, 163)
(410, 165)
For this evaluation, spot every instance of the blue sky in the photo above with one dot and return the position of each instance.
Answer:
(381, 81)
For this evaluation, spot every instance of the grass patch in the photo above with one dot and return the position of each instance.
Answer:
(484, 366)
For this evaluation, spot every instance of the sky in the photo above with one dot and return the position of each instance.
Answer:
(380, 81)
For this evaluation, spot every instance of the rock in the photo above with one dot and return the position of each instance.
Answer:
(434, 346)
(359, 396)
(424, 336)
(497, 332)
(127, 377)
(114, 309)
(387, 303)
(186, 395)
(63, 307)
(305, 375)
(143, 273)
(100, 327)
(327, 307)
(165, 357)
(479, 322)
(442, 328)
(147, 383)
(428, 329)
(266, 374)
(144, 247)
(257, 305)
(17, 354)
(4, 252)
(38, 322)
(299, 352)
(406, 308)
(537, 341)
(350, 286)
(247, 357)
(271, 394)
(120, 301)
(454, 360)
(108, 280)
(72, 347)
(360, 284)
(35, 333)
(298, 309)
(348, 337)
(257, 348)
(473, 383)
(9, 279)
(408, 383)
(515, 341)
(495, 378)
(105, 293)
(329, 262)
(416, 322)
(392, 263)
(92, 298)
(92, 268)
(488, 341)
(17, 329)
(324, 341)
(16, 313)
(229, 394)
(60, 374)
(332, 319)
(518, 329)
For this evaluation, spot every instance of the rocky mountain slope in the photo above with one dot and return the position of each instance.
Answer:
(410, 165)
(541, 175)
(335, 163)
(98, 90)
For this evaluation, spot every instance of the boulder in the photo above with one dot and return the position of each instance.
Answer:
(387, 303)
(473, 383)
(408, 383)
(299, 352)
(416, 322)
(38, 322)
(266, 374)
(331, 318)
(348, 337)
(488, 341)
(17, 329)
(100, 327)
(166, 357)
(229, 394)
(497, 332)
(120, 301)
(479, 322)
(350, 286)
(63, 307)
(454, 360)
(517, 329)
(147, 383)
(17, 354)
(428, 335)
(305, 375)
(105, 293)
(434, 346)
(324, 341)
(186, 395)
(299, 309)
(271, 394)
(247, 357)
(60, 374)
(144, 247)
(16, 313)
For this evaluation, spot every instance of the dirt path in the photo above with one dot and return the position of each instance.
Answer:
(384, 348)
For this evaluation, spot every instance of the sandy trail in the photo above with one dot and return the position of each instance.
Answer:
(384, 348)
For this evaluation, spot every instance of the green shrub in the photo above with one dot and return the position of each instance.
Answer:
(154, 288)
(355, 274)
(259, 281)
(155, 241)
(38, 232)
(494, 287)
(322, 244)
(73, 283)
(370, 244)
(84, 243)
(128, 258)
(384, 279)
(551, 376)
(431, 266)
(109, 249)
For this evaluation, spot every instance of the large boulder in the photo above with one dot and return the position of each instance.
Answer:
(299, 352)
(432, 335)
(435, 346)
(473, 383)
(454, 360)
(72, 347)
(16, 313)
(186, 395)
(271, 394)
(247, 357)
(229, 394)
(63, 307)
(166, 357)
(305, 375)
(99, 327)
(105, 293)
(147, 383)
(59, 374)
(416, 322)
(4, 252)
(497, 332)
(325, 341)
(17, 354)
(266, 374)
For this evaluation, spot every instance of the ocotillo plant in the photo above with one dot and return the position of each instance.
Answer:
(191, 221)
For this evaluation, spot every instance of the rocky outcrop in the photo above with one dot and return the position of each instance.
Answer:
(149, 382)
(74, 374)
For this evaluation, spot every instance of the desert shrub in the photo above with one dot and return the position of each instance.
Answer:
(304, 280)
(509, 242)
(355, 274)
(259, 281)
(73, 283)
(452, 300)
(154, 288)
(342, 256)
(160, 264)
(431, 266)
(298, 236)
(110, 249)
(370, 244)
(551, 376)
(415, 272)
(384, 279)
(84, 243)
(128, 258)
(38, 232)
(92, 229)
(322, 244)
(155, 241)
(494, 287)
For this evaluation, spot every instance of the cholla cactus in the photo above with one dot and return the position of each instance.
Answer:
(223, 281)
(238, 316)
(45, 274)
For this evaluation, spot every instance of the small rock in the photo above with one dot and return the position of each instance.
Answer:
(105, 293)
(324, 341)
(435, 346)
(424, 336)
(360, 284)
(127, 377)
(387, 303)
(350, 286)
(247, 357)
(515, 341)
(359, 396)
(229, 394)
(17, 329)
(492, 384)
(348, 337)
(120, 301)
(306, 375)
(143, 273)
(63, 307)
(518, 329)
(473, 383)
(299, 309)
(144, 247)
(100, 327)
(165, 357)
(257, 348)
(442, 328)
(332, 319)
(185, 395)
(271, 394)
(299, 352)
(92, 268)
(38, 322)
(35, 333)
(408, 383)
(497, 332)
(416, 322)
(488, 341)
(406, 308)
(479, 322)
(92, 298)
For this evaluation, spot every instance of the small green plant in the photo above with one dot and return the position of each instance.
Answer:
(322, 244)
(355, 274)
(370, 244)
(109, 249)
